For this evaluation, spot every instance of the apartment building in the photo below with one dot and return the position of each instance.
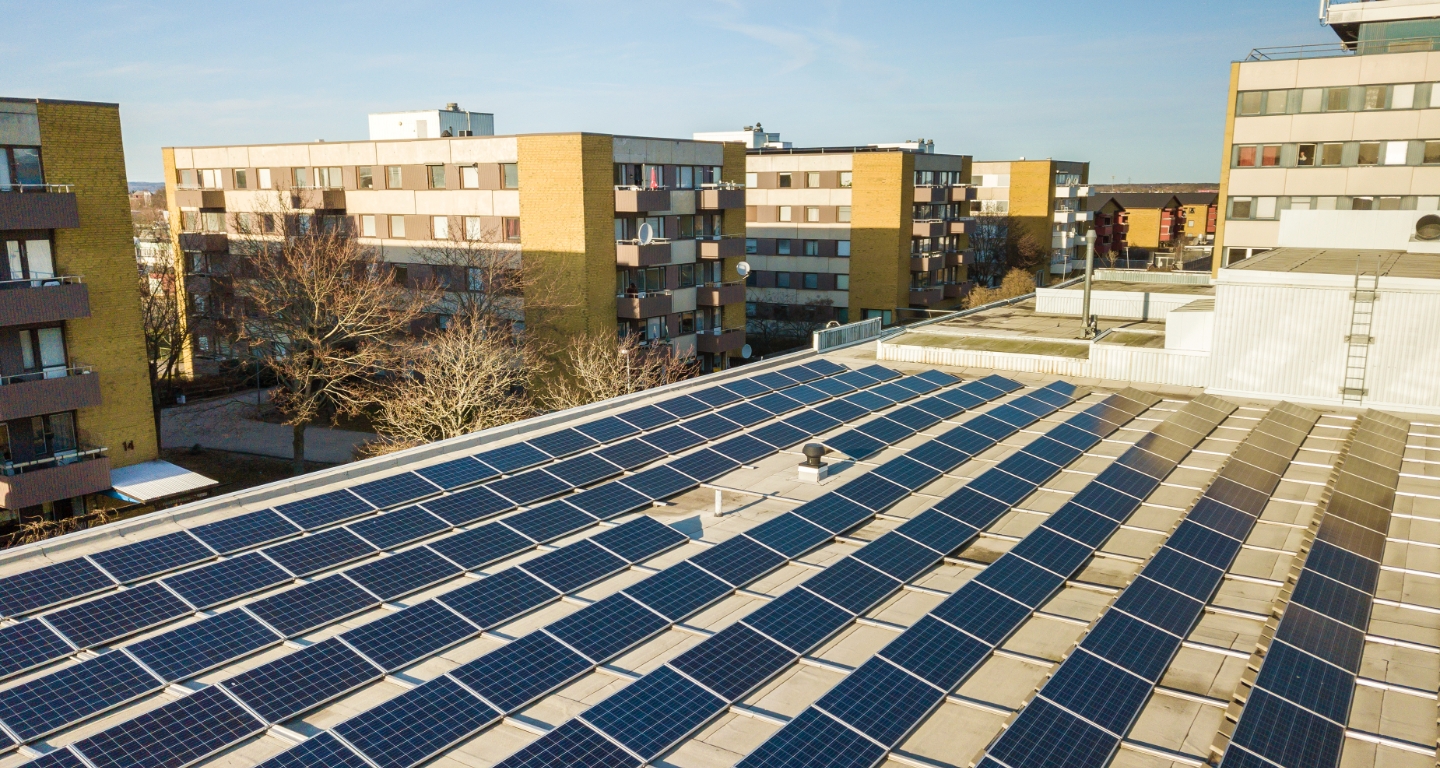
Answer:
(1348, 126)
(849, 233)
(628, 234)
(74, 387)
(1152, 219)
(1048, 197)
(1199, 215)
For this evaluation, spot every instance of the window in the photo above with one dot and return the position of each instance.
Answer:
(367, 225)
(440, 227)
(812, 214)
(750, 308)
(473, 229)
(436, 174)
(397, 226)
(300, 177)
(1246, 158)
(329, 178)
(812, 180)
(687, 227)
(187, 177)
(474, 278)
(1332, 154)
(687, 177)
(1337, 99)
(842, 214)
(202, 343)
(1389, 204)
(1402, 96)
(1275, 102)
(210, 179)
(392, 177)
(241, 179)
(510, 175)
(1375, 96)
(752, 246)
(812, 247)
(842, 282)
(750, 279)
(1396, 152)
(842, 247)
(785, 214)
(469, 177)
(1305, 156)
(511, 228)
(1270, 156)
(782, 279)
(752, 180)
(1432, 152)
(1250, 104)
(842, 315)
(811, 281)
(264, 174)
(1242, 207)
(785, 181)
(687, 322)
(1311, 99)
(782, 247)
(1362, 204)
(845, 178)
(1369, 153)
(364, 177)
(400, 274)
(687, 275)
(1264, 207)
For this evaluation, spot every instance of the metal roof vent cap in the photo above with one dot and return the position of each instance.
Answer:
(1428, 227)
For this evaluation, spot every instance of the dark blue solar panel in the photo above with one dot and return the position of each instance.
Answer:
(906, 472)
(60, 758)
(881, 700)
(457, 472)
(324, 509)
(1026, 466)
(838, 410)
(897, 556)
(712, 426)
(806, 394)
(1047, 735)
(1002, 487)
(147, 558)
(964, 397)
(299, 610)
(117, 615)
(1070, 435)
(805, 372)
(873, 492)
(913, 418)
(893, 391)
(823, 367)
(1332, 599)
(323, 751)
(972, 508)
(1341, 565)
(573, 743)
(679, 590)
(1306, 680)
(529, 487)
(746, 387)
(937, 531)
(1051, 551)
(630, 453)
(885, 430)
(1106, 501)
(179, 733)
(512, 458)
(562, 443)
(936, 407)
(481, 546)
(796, 745)
(790, 431)
(311, 554)
(1128, 480)
(986, 424)
(640, 539)
(609, 500)
(1102, 692)
(389, 491)
(522, 671)
(403, 573)
(651, 714)
(1132, 644)
(1222, 489)
(1286, 734)
(658, 482)
(856, 379)
(683, 407)
(938, 455)
(733, 661)
(966, 441)
(879, 372)
(1146, 462)
(45, 704)
(832, 387)
(789, 534)
(29, 644)
(938, 378)
(855, 444)
(194, 648)
(402, 638)
(608, 429)
(715, 396)
(835, 514)
(852, 585)
(704, 465)
(244, 531)
(218, 582)
(1011, 415)
(418, 724)
(798, 620)
(918, 384)
(1219, 517)
(290, 685)
(401, 526)
(607, 627)
(982, 612)
(549, 521)
(574, 566)
(745, 414)
(745, 448)
(774, 379)
(867, 401)
(776, 403)
(937, 652)
(1204, 544)
(646, 417)
(738, 560)
(1024, 581)
(498, 599)
(1159, 605)
(1184, 574)
(1082, 524)
(673, 439)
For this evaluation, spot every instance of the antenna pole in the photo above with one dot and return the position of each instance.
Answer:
(1085, 316)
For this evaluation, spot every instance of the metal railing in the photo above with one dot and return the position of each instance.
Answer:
(827, 339)
(721, 185)
(24, 188)
(643, 294)
(1339, 48)
(58, 459)
(57, 372)
(40, 282)
(653, 241)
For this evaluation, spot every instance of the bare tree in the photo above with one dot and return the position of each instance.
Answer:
(792, 328)
(162, 313)
(991, 240)
(598, 366)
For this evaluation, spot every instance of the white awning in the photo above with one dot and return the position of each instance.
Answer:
(156, 480)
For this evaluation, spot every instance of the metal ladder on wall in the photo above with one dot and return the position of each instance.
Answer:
(1362, 313)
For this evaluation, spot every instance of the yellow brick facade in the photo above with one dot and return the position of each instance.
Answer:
(1219, 258)
(733, 171)
(881, 221)
(81, 146)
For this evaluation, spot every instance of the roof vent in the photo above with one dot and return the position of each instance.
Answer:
(1428, 227)
(452, 107)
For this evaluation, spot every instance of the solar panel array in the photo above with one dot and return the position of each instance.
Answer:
(1083, 711)
(1296, 710)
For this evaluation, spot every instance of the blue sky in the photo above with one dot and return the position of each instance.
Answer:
(1137, 87)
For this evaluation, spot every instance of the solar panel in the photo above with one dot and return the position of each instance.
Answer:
(574, 566)
(1322, 636)
(29, 644)
(529, 487)
(1285, 734)
(652, 714)
(885, 430)
(738, 560)
(1143, 461)
(418, 724)
(1183, 573)
(806, 394)
(303, 680)
(658, 482)
(893, 391)
(972, 508)
(805, 372)
(913, 417)
(481, 546)
(1021, 580)
(704, 465)
(497, 599)
(512, 458)
(187, 651)
(1342, 566)
(322, 510)
(806, 423)
(1107, 695)
(746, 387)
(852, 585)
(790, 535)
(937, 652)
(1053, 552)
(881, 701)
(1299, 677)
(389, 491)
(879, 372)
(1333, 599)
(966, 440)
(179, 733)
(400, 526)
(322, 751)
(838, 410)
(832, 387)
(607, 429)
(937, 407)
(745, 414)
(682, 407)
(937, 531)
(982, 612)
(46, 704)
(798, 620)
(733, 661)
(866, 400)
(1159, 605)
(1132, 644)
(712, 426)
(117, 615)
(1219, 517)
(640, 539)
(319, 551)
(457, 472)
(775, 403)
(843, 747)
(607, 627)
(1047, 735)
(646, 417)
(244, 531)
(835, 514)
(1106, 501)
(299, 610)
(521, 671)
(1029, 467)
(1203, 544)
(573, 743)
(907, 472)
(856, 379)
(774, 379)
(549, 521)
(1002, 486)
(583, 470)
(716, 396)
(403, 573)
(562, 443)
(609, 500)
(747, 448)
(873, 492)
(938, 455)
(404, 637)
(897, 556)
(630, 454)
(60, 758)
(1081, 524)
(964, 397)
(673, 439)
(147, 558)
(226, 580)
(679, 590)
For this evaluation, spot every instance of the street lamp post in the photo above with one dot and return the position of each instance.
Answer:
(1085, 316)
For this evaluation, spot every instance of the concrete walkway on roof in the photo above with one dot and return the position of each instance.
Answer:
(229, 423)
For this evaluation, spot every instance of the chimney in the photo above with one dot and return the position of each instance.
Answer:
(452, 107)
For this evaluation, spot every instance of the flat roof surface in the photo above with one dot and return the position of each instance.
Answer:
(1341, 261)
(1126, 286)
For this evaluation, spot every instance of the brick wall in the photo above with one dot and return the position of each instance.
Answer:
(733, 170)
(882, 200)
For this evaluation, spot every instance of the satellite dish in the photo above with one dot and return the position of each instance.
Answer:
(743, 268)
(647, 233)
(1428, 227)
(745, 351)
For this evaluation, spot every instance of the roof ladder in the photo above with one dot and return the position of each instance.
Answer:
(1362, 313)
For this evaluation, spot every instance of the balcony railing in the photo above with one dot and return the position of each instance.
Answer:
(38, 206)
(725, 196)
(64, 474)
(630, 253)
(718, 341)
(204, 241)
(48, 391)
(719, 294)
(639, 306)
(21, 187)
(1332, 50)
(198, 197)
(38, 300)
(721, 248)
(633, 199)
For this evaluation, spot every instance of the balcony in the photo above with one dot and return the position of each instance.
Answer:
(955, 290)
(38, 206)
(630, 253)
(210, 242)
(65, 475)
(963, 194)
(932, 194)
(29, 302)
(963, 258)
(927, 263)
(722, 198)
(636, 200)
(725, 248)
(719, 294)
(926, 297)
(928, 228)
(641, 306)
(1072, 192)
(193, 197)
(317, 199)
(34, 394)
(717, 341)
(961, 227)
